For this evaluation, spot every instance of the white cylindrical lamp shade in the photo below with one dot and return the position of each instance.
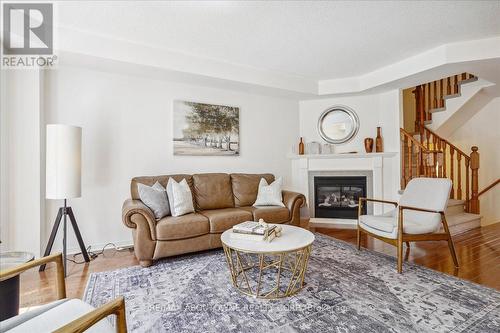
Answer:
(63, 162)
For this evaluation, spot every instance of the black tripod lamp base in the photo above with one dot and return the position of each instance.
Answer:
(61, 215)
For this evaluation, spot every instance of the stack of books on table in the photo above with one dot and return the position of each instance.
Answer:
(251, 230)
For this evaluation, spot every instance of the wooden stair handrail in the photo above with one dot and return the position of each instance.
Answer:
(458, 150)
(489, 187)
(415, 141)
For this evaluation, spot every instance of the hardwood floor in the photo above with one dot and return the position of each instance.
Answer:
(478, 252)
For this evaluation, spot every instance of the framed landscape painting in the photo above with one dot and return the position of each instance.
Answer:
(206, 129)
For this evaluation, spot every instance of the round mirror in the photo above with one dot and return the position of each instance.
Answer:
(338, 124)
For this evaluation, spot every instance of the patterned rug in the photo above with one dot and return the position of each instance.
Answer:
(346, 291)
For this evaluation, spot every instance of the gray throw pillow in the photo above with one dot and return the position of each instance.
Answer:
(155, 197)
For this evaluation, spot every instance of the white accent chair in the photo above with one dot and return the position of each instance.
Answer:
(64, 315)
(417, 217)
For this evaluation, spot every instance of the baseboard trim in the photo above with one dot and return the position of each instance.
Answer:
(333, 223)
(120, 244)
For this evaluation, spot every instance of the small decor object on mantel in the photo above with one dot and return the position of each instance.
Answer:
(327, 148)
(368, 145)
(379, 145)
(313, 148)
(301, 146)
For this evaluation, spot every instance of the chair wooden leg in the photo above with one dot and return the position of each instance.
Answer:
(359, 239)
(407, 244)
(450, 241)
(400, 256)
(400, 241)
(452, 250)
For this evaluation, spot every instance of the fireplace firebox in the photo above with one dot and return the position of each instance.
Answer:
(338, 197)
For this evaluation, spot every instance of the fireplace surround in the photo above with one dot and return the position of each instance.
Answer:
(379, 169)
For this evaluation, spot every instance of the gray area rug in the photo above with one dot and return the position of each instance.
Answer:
(346, 291)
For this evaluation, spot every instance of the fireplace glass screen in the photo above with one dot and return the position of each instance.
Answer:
(338, 197)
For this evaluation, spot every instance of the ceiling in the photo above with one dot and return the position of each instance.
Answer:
(309, 39)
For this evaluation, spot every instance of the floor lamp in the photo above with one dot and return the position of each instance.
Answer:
(63, 180)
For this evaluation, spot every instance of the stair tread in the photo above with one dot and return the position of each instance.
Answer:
(460, 218)
(455, 202)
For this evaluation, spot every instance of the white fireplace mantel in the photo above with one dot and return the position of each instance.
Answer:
(377, 164)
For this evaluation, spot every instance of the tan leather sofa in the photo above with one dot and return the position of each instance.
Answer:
(220, 200)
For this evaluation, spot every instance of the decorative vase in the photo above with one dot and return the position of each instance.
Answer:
(379, 145)
(301, 147)
(369, 145)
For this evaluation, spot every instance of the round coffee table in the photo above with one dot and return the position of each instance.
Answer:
(269, 269)
(9, 289)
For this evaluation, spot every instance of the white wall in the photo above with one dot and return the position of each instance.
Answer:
(21, 131)
(127, 132)
(373, 110)
(482, 130)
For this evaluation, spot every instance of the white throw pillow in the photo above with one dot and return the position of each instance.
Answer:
(155, 197)
(269, 195)
(179, 197)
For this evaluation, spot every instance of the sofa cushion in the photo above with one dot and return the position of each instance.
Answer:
(270, 214)
(212, 191)
(179, 227)
(224, 219)
(245, 187)
(150, 180)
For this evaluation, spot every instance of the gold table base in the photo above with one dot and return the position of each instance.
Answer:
(286, 272)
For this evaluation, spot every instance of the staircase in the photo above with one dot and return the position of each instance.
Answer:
(426, 154)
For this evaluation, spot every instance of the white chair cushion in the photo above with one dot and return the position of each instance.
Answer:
(427, 193)
(386, 225)
(55, 317)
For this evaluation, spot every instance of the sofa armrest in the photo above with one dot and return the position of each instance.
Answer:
(137, 207)
(290, 199)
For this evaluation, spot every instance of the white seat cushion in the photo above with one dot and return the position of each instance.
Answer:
(386, 225)
(54, 317)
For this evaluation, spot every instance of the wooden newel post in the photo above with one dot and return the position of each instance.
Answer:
(474, 166)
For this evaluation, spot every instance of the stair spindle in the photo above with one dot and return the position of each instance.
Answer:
(441, 93)
(452, 193)
(419, 160)
(474, 165)
(448, 85)
(410, 162)
(467, 198)
(429, 101)
(464, 76)
(455, 85)
(459, 176)
(435, 100)
(428, 136)
(444, 159)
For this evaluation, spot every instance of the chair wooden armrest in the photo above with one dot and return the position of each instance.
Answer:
(57, 258)
(116, 307)
(421, 209)
(378, 200)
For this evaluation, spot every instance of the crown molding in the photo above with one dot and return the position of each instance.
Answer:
(444, 60)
